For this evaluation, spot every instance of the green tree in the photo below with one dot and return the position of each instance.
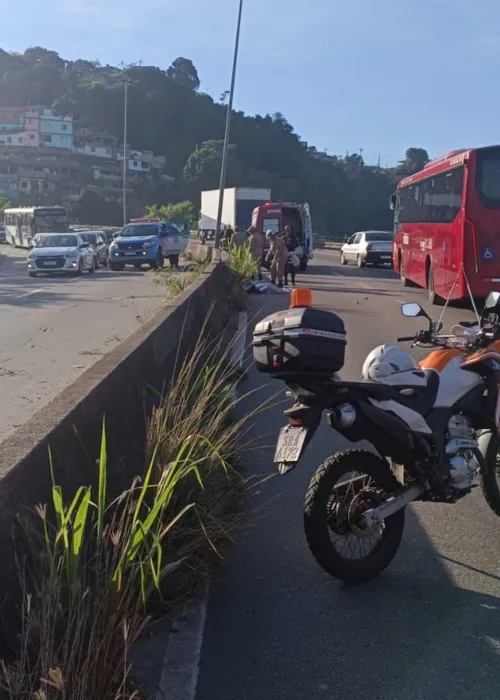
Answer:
(4, 204)
(169, 116)
(180, 212)
(182, 71)
(95, 209)
(415, 159)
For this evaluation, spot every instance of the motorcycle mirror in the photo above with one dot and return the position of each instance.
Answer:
(412, 310)
(492, 300)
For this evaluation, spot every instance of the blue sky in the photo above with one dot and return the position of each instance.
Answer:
(381, 75)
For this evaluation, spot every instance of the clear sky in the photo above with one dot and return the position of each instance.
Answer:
(381, 75)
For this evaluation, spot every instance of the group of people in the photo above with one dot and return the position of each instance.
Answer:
(281, 255)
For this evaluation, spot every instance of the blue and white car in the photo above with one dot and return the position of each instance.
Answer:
(148, 242)
(65, 253)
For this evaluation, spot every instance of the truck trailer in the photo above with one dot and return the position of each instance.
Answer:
(238, 205)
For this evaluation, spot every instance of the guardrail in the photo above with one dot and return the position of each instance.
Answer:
(122, 386)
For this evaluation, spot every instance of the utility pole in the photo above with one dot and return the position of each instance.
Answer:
(124, 183)
(227, 133)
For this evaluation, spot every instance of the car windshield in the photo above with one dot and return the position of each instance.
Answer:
(140, 230)
(57, 242)
(374, 236)
(90, 238)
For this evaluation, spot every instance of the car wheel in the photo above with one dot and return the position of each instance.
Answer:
(33, 274)
(359, 261)
(343, 260)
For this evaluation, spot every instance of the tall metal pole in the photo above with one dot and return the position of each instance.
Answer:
(228, 129)
(124, 186)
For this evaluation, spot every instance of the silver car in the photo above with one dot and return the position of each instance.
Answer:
(66, 253)
(368, 248)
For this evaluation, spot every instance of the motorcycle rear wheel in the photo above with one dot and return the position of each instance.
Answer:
(321, 517)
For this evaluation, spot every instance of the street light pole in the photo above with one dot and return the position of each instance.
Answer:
(124, 186)
(227, 133)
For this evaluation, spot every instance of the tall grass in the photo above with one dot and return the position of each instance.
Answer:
(101, 565)
(242, 262)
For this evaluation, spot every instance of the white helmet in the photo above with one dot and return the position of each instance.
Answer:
(385, 360)
(270, 233)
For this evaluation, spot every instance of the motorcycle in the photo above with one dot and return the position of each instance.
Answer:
(435, 428)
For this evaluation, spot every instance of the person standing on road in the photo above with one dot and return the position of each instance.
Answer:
(257, 247)
(291, 243)
(240, 237)
(278, 255)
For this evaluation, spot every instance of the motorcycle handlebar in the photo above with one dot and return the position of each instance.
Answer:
(404, 338)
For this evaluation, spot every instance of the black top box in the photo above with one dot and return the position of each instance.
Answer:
(300, 341)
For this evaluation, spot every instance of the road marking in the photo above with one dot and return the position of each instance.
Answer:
(181, 663)
(28, 294)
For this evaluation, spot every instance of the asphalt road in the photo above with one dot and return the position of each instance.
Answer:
(279, 628)
(54, 328)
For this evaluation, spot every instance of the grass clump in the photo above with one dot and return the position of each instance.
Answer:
(242, 262)
(103, 565)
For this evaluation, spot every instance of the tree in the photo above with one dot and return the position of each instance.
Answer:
(93, 208)
(4, 204)
(182, 71)
(169, 116)
(415, 159)
(204, 164)
(180, 212)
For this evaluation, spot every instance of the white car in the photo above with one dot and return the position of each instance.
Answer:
(368, 248)
(61, 252)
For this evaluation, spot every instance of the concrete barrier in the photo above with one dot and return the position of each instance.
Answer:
(121, 386)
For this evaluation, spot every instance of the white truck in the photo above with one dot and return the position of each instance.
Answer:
(238, 205)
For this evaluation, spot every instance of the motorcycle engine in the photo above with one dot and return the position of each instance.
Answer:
(460, 443)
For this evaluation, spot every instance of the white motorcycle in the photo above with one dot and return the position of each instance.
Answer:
(435, 426)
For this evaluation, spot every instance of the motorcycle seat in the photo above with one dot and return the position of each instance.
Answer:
(422, 400)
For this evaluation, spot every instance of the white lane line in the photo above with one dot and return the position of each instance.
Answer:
(28, 294)
(181, 663)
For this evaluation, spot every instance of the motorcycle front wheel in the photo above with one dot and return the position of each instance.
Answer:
(342, 488)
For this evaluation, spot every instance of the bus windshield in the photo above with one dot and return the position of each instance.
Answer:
(51, 223)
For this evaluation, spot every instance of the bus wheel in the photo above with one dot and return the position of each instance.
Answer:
(402, 277)
(433, 297)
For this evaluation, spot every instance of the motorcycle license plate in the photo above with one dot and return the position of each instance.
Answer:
(290, 443)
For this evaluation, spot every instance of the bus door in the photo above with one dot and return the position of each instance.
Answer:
(483, 214)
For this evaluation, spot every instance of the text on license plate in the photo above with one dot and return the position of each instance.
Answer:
(130, 252)
(386, 257)
(49, 263)
(290, 443)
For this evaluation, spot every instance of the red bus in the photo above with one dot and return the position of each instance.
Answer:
(447, 225)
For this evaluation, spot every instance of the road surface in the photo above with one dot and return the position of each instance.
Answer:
(278, 628)
(54, 328)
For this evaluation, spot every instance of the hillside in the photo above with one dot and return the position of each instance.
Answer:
(170, 116)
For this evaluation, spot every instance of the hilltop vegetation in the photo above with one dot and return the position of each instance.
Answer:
(170, 116)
